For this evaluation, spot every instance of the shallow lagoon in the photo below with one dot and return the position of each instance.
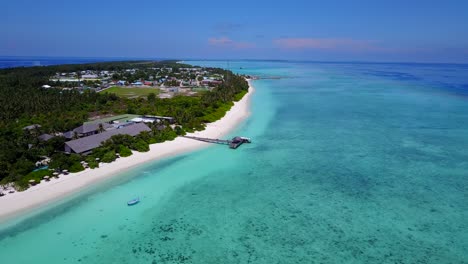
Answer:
(350, 163)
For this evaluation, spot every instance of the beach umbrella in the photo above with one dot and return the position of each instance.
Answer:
(46, 177)
(32, 182)
(97, 159)
(55, 174)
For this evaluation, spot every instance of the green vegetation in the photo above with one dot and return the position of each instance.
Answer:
(140, 146)
(109, 156)
(23, 103)
(239, 96)
(217, 112)
(125, 151)
(92, 162)
(132, 92)
(61, 161)
(37, 176)
(76, 167)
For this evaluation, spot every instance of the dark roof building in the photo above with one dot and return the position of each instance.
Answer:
(45, 137)
(87, 144)
(31, 127)
(167, 118)
(68, 134)
(90, 129)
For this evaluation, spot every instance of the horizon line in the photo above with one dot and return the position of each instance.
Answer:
(243, 59)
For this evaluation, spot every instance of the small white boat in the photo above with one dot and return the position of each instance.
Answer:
(133, 202)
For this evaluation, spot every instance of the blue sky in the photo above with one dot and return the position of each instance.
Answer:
(364, 30)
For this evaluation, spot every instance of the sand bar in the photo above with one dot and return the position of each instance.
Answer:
(48, 192)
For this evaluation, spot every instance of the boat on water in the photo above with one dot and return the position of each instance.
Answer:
(133, 202)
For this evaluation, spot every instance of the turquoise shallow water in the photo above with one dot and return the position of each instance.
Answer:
(351, 163)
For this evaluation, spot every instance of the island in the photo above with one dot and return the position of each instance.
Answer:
(71, 119)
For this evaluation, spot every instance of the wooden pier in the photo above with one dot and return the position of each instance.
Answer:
(233, 143)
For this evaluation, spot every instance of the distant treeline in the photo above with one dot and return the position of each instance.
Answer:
(23, 102)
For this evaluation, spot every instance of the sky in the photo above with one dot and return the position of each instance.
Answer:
(327, 30)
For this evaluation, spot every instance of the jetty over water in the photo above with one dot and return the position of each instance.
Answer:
(233, 143)
(266, 77)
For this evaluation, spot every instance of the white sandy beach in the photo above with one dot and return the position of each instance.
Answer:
(47, 192)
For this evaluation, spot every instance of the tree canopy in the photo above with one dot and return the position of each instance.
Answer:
(23, 102)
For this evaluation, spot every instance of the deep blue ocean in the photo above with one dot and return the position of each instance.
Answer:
(15, 61)
(350, 163)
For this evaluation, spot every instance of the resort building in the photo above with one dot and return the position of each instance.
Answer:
(91, 129)
(32, 127)
(113, 119)
(89, 77)
(45, 137)
(160, 118)
(87, 144)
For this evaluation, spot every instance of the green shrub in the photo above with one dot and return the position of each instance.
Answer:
(21, 185)
(59, 161)
(92, 163)
(109, 157)
(145, 136)
(124, 151)
(152, 141)
(74, 158)
(179, 131)
(100, 152)
(140, 146)
(117, 140)
(38, 175)
(76, 167)
(23, 167)
(64, 162)
(171, 135)
(23, 182)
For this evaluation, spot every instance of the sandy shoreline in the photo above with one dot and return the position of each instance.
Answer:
(48, 192)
